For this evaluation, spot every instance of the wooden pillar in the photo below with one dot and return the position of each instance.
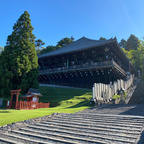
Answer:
(17, 100)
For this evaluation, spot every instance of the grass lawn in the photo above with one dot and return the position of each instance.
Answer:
(63, 100)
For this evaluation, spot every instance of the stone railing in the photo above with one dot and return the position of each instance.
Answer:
(103, 92)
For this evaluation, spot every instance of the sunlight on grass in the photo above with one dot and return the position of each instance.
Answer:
(68, 101)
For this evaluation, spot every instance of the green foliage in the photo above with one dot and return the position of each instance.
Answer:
(60, 44)
(133, 56)
(102, 38)
(125, 94)
(116, 97)
(19, 58)
(123, 43)
(5, 77)
(38, 44)
(48, 49)
(132, 43)
(136, 57)
(64, 41)
(70, 101)
(1, 49)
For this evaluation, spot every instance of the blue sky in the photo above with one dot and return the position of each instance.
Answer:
(55, 19)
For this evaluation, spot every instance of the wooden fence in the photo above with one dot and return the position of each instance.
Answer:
(31, 105)
(102, 93)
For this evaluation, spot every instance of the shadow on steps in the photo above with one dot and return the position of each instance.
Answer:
(120, 109)
(137, 110)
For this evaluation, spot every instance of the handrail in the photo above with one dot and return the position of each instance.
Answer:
(118, 67)
(77, 66)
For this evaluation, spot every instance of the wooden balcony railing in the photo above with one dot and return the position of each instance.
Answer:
(97, 65)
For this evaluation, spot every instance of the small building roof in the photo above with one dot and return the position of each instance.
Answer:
(80, 44)
(32, 92)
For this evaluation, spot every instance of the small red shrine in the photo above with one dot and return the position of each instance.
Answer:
(28, 101)
(32, 95)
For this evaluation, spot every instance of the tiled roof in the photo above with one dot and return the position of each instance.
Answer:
(80, 44)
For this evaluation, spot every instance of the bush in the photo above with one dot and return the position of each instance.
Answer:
(116, 97)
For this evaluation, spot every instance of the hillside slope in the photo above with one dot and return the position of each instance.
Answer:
(138, 95)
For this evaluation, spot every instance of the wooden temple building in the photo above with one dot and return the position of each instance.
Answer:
(83, 63)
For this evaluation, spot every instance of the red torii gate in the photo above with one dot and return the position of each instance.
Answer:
(14, 98)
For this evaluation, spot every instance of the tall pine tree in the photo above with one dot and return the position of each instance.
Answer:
(19, 56)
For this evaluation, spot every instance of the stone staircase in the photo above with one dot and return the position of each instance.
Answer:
(101, 125)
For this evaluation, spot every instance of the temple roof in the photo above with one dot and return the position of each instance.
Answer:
(80, 44)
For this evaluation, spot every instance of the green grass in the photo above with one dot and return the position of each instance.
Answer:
(65, 100)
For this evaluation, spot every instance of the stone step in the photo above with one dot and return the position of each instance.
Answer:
(88, 128)
(79, 137)
(59, 138)
(106, 115)
(36, 139)
(13, 139)
(111, 108)
(8, 141)
(113, 136)
(2, 142)
(112, 117)
(119, 121)
(90, 125)
(133, 120)
(89, 131)
(90, 121)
